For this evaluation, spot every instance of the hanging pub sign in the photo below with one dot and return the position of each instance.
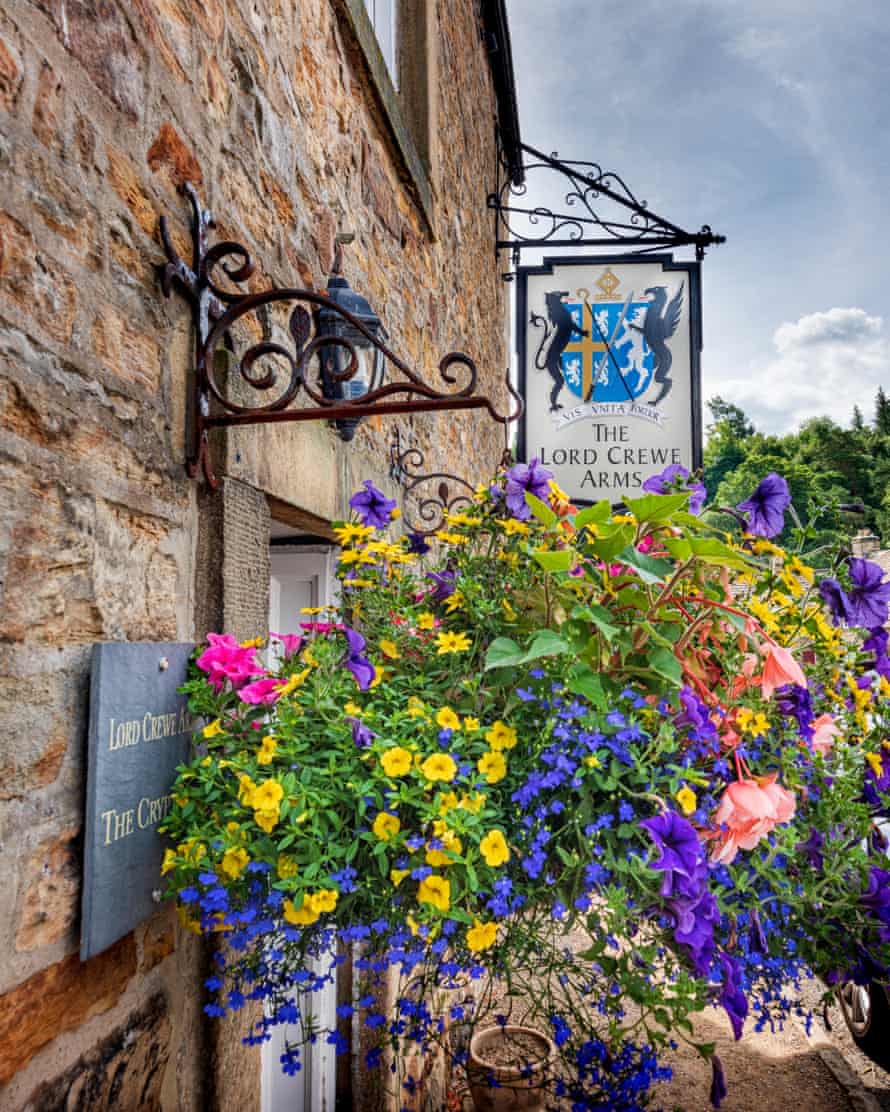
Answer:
(140, 730)
(608, 353)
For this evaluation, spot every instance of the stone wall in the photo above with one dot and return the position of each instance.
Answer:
(106, 108)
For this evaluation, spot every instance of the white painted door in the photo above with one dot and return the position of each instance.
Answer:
(300, 577)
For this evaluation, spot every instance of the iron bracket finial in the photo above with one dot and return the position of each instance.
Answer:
(218, 308)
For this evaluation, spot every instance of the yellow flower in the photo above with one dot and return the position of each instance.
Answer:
(169, 861)
(592, 761)
(300, 916)
(494, 848)
(874, 759)
(435, 890)
(426, 620)
(390, 649)
(501, 736)
(267, 819)
(473, 803)
(398, 875)
(386, 826)
(512, 527)
(246, 789)
(308, 658)
(287, 866)
(416, 707)
(267, 795)
(213, 729)
(471, 724)
(396, 762)
(353, 708)
(234, 861)
(349, 533)
(379, 673)
(508, 610)
(481, 936)
(395, 513)
(253, 643)
(296, 680)
(451, 643)
(267, 750)
(492, 766)
(687, 799)
(413, 925)
(448, 802)
(447, 719)
(325, 899)
(454, 602)
(357, 556)
(451, 844)
(439, 767)
(450, 538)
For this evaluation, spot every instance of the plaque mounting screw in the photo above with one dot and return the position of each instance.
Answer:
(163, 664)
(156, 895)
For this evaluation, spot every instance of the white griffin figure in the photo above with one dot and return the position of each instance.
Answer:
(636, 354)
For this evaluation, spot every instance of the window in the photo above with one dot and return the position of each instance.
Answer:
(382, 14)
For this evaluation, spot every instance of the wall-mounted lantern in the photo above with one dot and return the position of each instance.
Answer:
(337, 383)
(331, 348)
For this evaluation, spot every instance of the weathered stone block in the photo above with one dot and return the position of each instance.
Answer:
(11, 74)
(98, 34)
(169, 153)
(52, 891)
(124, 180)
(34, 284)
(48, 105)
(126, 351)
(59, 999)
(126, 1070)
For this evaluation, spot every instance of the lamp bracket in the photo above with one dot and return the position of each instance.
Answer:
(226, 386)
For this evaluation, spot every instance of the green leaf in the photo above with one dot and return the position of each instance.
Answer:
(541, 510)
(502, 653)
(544, 643)
(656, 507)
(709, 550)
(664, 663)
(649, 569)
(595, 514)
(598, 616)
(611, 540)
(560, 560)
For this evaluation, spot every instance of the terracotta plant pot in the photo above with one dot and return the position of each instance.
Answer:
(519, 1085)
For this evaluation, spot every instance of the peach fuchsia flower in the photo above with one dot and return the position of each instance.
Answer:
(824, 733)
(748, 810)
(780, 668)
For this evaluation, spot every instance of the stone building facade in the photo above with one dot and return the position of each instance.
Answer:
(293, 126)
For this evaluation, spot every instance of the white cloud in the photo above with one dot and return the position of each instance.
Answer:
(825, 363)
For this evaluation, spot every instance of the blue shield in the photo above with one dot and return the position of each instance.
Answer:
(620, 376)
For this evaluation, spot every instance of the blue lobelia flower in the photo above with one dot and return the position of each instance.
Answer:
(372, 506)
(766, 506)
(531, 477)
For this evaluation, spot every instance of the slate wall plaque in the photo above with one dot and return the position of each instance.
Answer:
(140, 730)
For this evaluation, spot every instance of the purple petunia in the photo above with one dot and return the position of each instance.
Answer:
(835, 598)
(812, 848)
(869, 595)
(417, 544)
(876, 898)
(443, 584)
(530, 477)
(718, 1082)
(359, 665)
(766, 506)
(675, 479)
(372, 506)
(734, 1001)
(679, 846)
(361, 735)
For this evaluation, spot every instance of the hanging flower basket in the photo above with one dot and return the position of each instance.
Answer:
(569, 761)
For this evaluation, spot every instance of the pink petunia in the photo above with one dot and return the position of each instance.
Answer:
(780, 668)
(824, 733)
(261, 692)
(748, 810)
(226, 660)
(291, 643)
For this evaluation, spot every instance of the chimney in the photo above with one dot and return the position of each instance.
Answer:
(865, 544)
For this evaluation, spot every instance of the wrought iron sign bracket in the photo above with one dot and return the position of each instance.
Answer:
(599, 210)
(300, 346)
(437, 493)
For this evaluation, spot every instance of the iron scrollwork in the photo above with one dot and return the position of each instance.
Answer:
(599, 210)
(221, 373)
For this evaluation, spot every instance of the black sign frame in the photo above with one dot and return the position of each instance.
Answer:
(692, 269)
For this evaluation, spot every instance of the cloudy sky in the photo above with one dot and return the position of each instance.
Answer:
(766, 119)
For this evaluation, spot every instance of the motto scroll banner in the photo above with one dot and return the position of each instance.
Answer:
(140, 730)
(609, 369)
